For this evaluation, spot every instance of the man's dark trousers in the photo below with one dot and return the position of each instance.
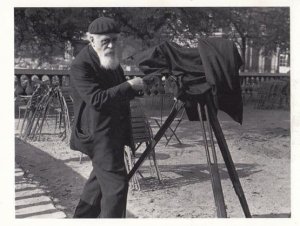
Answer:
(105, 192)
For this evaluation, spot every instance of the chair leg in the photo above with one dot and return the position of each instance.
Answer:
(174, 130)
(19, 118)
(26, 115)
(159, 177)
(55, 123)
(60, 120)
(151, 166)
(80, 158)
(168, 138)
(129, 162)
(173, 134)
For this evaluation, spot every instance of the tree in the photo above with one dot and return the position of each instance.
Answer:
(42, 32)
(258, 27)
(153, 25)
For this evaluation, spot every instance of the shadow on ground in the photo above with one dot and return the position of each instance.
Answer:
(273, 215)
(58, 184)
(182, 175)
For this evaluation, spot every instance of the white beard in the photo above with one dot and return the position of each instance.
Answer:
(109, 61)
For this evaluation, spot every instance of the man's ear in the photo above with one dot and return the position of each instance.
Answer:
(91, 39)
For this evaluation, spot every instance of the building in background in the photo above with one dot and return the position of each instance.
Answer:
(257, 61)
(275, 62)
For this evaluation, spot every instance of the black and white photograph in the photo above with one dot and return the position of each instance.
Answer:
(166, 112)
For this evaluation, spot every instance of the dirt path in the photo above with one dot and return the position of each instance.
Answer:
(260, 149)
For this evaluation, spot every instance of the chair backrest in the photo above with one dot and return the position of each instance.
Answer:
(141, 129)
(37, 96)
(158, 105)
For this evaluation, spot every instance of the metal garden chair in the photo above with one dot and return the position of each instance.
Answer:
(142, 134)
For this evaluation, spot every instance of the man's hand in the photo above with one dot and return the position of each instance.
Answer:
(136, 83)
(153, 84)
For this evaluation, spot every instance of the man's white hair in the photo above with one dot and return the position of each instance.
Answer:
(88, 36)
(108, 62)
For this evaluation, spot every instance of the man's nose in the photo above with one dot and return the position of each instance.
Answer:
(110, 45)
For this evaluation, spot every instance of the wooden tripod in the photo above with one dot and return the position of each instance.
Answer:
(209, 121)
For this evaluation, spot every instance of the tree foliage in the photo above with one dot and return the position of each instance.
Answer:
(43, 32)
(258, 27)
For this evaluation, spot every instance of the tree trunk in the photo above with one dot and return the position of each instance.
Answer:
(243, 50)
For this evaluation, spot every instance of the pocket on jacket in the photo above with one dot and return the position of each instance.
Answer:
(82, 125)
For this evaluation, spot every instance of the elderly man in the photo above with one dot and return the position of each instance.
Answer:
(101, 128)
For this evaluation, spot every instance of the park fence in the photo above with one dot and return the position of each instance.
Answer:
(261, 90)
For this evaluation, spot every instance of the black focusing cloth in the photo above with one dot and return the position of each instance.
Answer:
(213, 65)
(169, 57)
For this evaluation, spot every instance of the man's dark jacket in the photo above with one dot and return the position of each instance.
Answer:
(101, 105)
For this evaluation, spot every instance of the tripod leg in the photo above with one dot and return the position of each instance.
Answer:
(175, 110)
(213, 168)
(226, 156)
(159, 126)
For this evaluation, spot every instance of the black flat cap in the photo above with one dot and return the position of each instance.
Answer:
(103, 25)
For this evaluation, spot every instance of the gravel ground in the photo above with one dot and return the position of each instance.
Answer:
(260, 149)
